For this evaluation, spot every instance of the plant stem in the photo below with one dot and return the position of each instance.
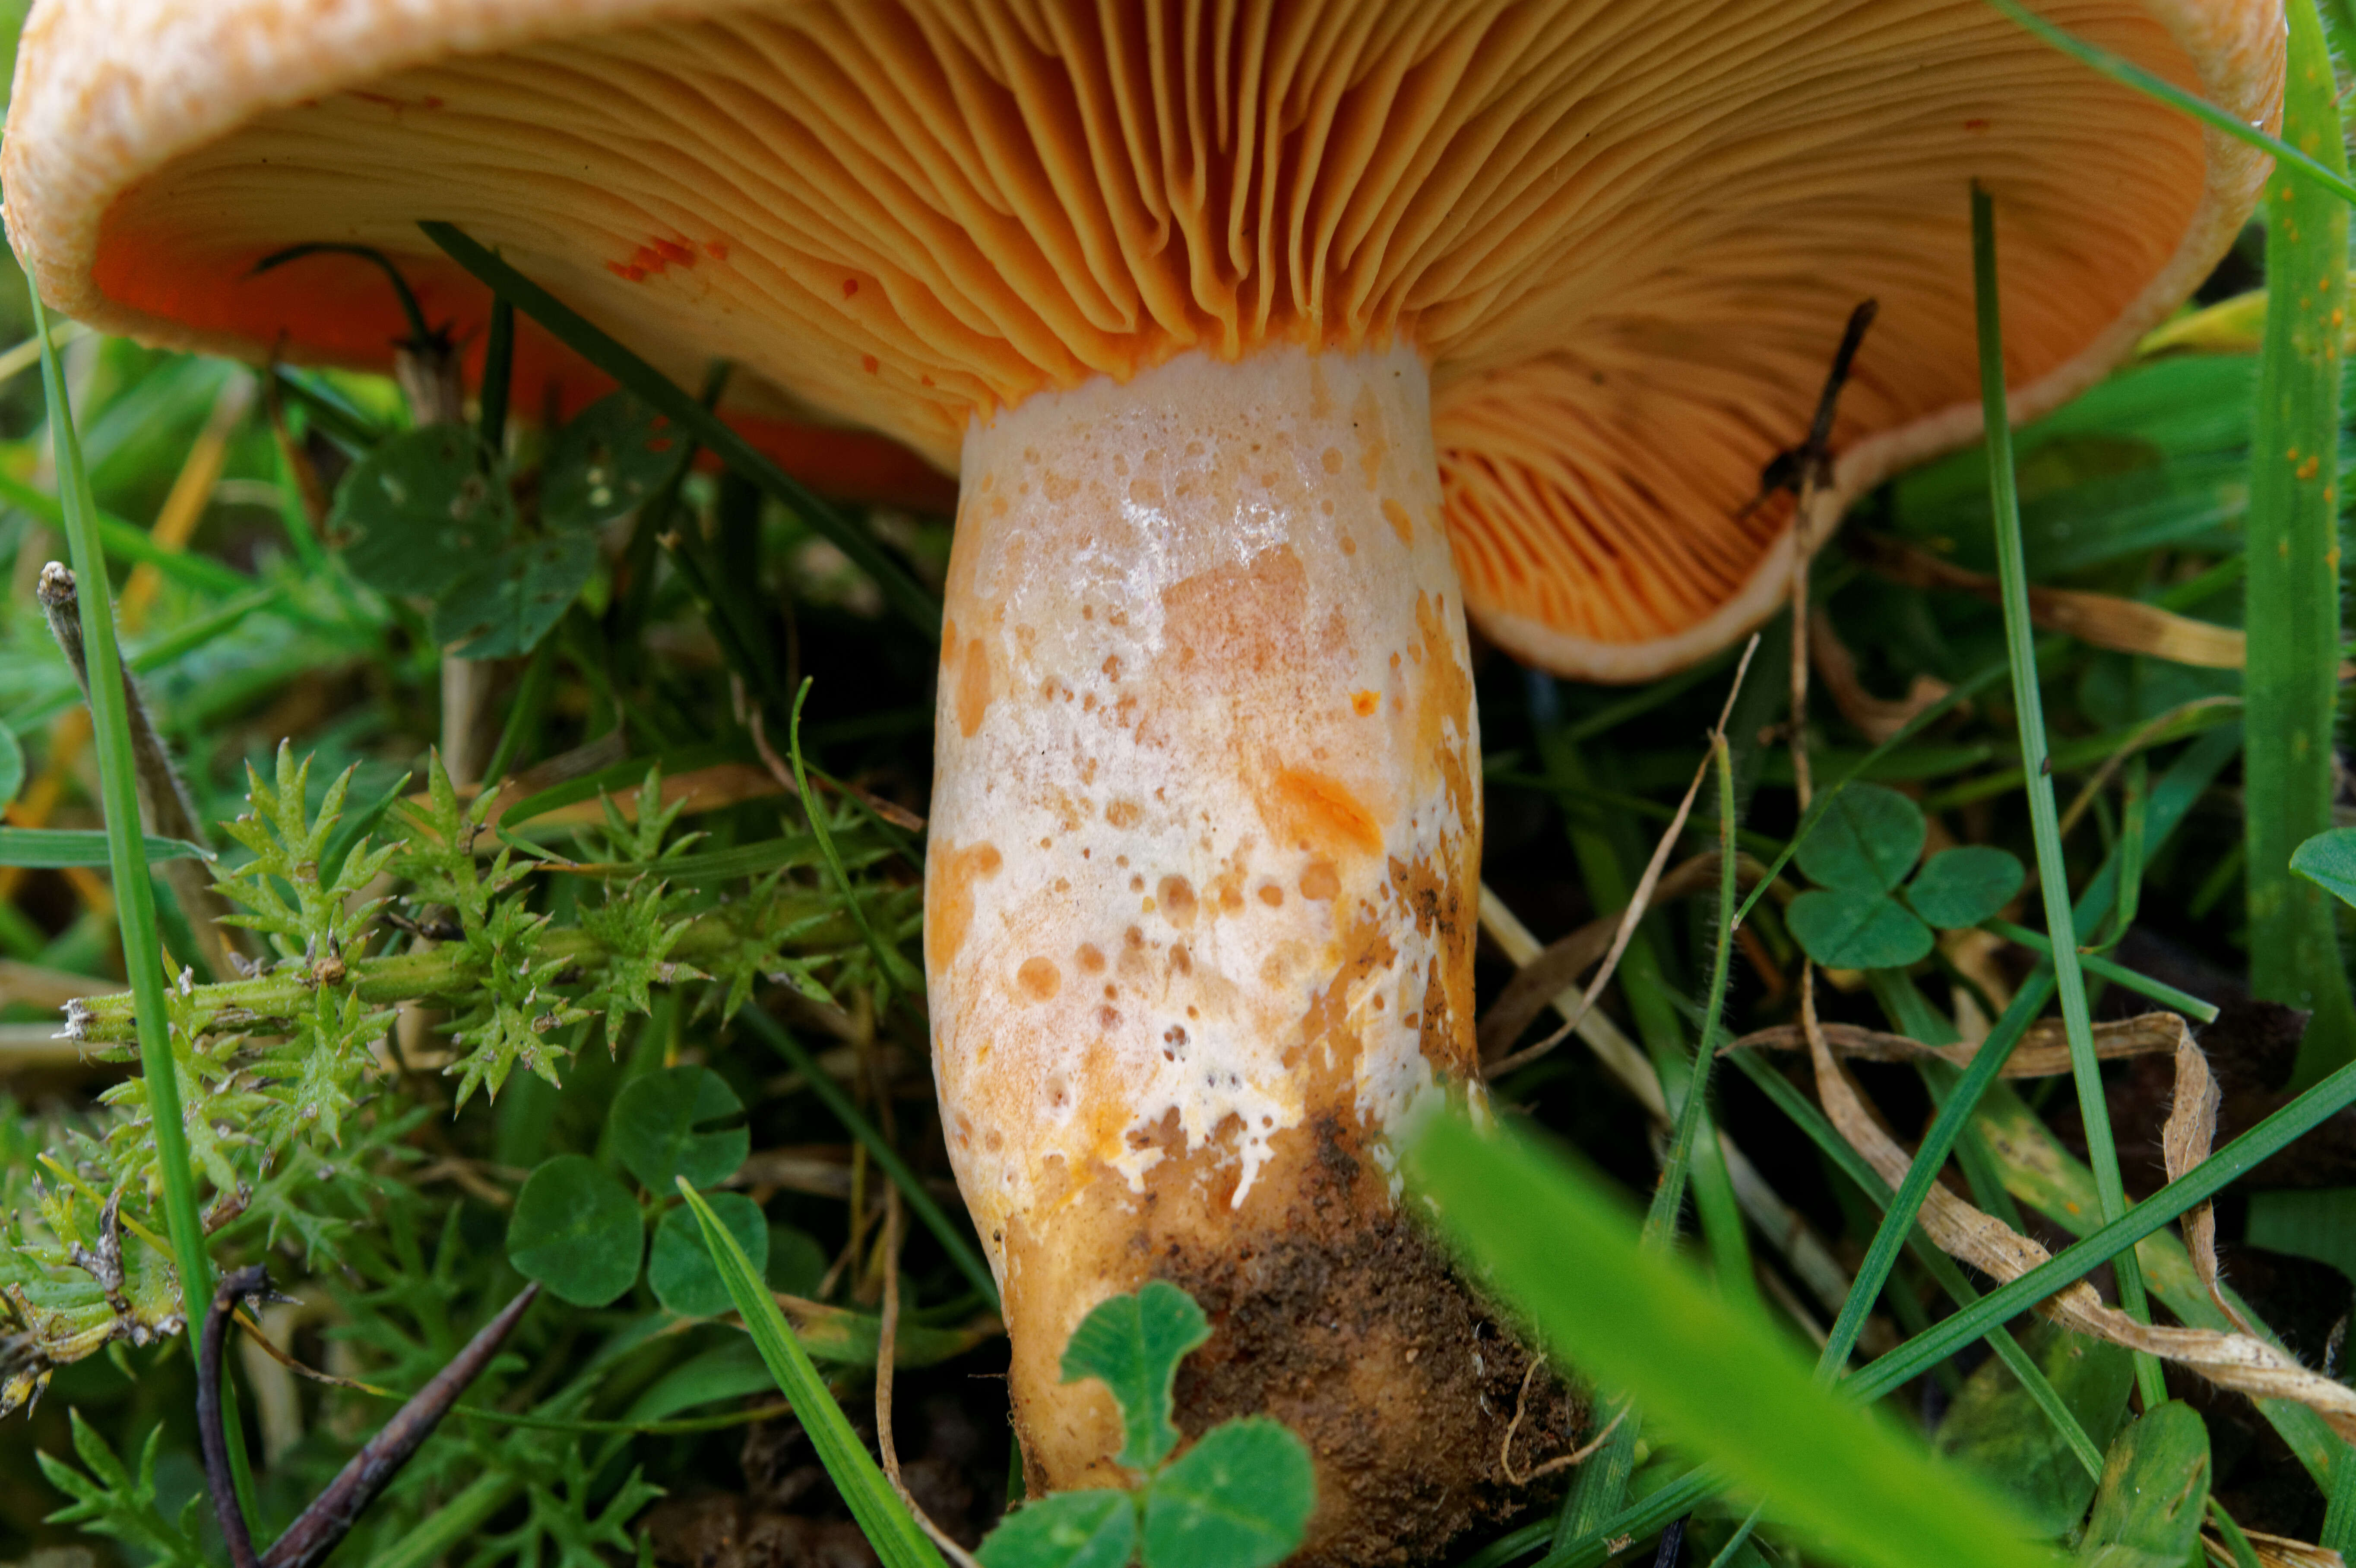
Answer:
(127, 850)
(2044, 820)
(441, 972)
(2293, 593)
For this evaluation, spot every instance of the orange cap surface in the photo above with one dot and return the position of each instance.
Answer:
(1624, 235)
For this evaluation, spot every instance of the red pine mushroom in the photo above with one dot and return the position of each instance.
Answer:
(1270, 341)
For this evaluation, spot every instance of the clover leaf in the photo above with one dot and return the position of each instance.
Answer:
(1239, 1498)
(679, 1267)
(1965, 885)
(675, 1123)
(1866, 841)
(576, 1231)
(1845, 930)
(1858, 853)
(1133, 1345)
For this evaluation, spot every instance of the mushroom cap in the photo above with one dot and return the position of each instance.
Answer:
(1625, 237)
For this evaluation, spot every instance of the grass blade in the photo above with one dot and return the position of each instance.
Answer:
(1669, 1196)
(2127, 72)
(2292, 592)
(666, 397)
(2044, 820)
(1931, 1158)
(2167, 996)
(889, 1526)
(2115, 1237)
(890, 968)
(1724, 1381)
(135, 898)
(53, 848)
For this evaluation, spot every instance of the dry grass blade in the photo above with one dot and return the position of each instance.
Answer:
(1876, 718)
(2102, 620)
(1642, 900)
(1621, 934)
(2184, 1143)
(1559, 966)
(2043, 1051)
(1783, 1227)
(2236, 1361)
(886, 1354)
(2275, 1552)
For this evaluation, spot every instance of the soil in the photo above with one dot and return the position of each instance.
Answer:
(1306, 1318)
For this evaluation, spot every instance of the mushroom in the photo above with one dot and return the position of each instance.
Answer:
(1268, 342)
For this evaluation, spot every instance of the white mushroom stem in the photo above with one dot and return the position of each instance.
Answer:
(1206, 835)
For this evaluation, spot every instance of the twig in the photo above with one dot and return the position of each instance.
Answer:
(1673, 1543)
(211, 1439)
(331, 1514)
(1805, 470)
(164, 804)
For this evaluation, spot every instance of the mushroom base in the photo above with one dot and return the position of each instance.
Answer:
(1200, 912)
(1332, 1312)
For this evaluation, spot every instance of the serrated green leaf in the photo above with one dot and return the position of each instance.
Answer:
(420, 509)
(680, 1266)
(666, 1125)
(1133, 1345)
(503, 604)
(53, 847)
(1239, 1498)
(2154, 1496)
(2329, 859)
(1868, 840)
(576, 1231)
(888, 1528)
(614, 453)
(1965, 885)
(1845, 930)
(1095, 1527)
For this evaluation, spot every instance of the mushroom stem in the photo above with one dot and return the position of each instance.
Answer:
(1200, 898)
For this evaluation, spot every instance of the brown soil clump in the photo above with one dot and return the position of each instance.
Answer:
(1349, 1325)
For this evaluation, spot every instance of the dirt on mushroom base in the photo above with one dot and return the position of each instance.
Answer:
(1302, 1309)
(1332, 1311)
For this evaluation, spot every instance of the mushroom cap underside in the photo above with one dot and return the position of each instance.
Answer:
(1625, 237)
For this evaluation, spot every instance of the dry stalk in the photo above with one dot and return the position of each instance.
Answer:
(2238, 1361)
(887, 1347)
(1642, 900)
(2043, 1051)
(164, 802)
(1783, 1227)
